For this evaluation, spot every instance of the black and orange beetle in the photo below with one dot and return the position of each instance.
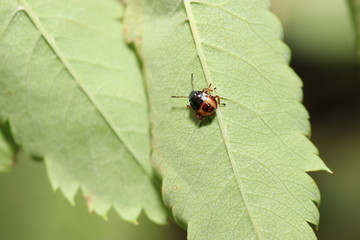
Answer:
(203, 103)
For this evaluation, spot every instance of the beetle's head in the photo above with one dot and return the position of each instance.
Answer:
(192, 95)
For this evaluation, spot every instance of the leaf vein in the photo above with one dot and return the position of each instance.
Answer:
(203, 61)
(57, 51)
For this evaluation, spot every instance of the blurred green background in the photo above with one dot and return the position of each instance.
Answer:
(321, 38)
(320, 35)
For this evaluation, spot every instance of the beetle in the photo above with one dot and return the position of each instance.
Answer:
(203, 103)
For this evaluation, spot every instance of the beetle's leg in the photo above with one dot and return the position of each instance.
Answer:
(198, 116)
(218, 98)
(206, 90)
(211, 89)
(201, 120)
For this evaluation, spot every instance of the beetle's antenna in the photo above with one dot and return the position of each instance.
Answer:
(179, 96)
(192, 81)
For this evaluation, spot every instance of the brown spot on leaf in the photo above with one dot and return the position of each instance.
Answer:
(88, 202)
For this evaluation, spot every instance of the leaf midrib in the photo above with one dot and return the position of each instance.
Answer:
(223, 129)
(24, 6)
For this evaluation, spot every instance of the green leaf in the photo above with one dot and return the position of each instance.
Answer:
(6, 154)
(242, 176)
(7, 148)
(355, 11)
(79, 102)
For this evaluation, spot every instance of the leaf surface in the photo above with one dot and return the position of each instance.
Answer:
(78, 101)
(242, 176)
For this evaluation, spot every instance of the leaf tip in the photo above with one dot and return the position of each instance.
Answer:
(328, 170)
(105, 217)
(135, 222)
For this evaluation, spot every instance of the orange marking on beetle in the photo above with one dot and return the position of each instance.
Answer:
(203, 103)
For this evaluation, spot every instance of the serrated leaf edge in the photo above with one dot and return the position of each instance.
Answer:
(24, 7)
(222, 126)
(201, 54)
(52, 43)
